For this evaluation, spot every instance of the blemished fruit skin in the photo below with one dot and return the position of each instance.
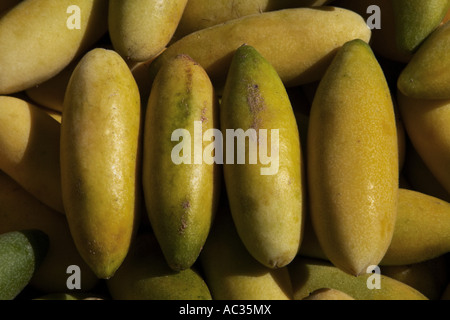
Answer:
(29, 149)
(231, 273)
(181, 198)
(308, 275)
(21, 253)
(145, 275)
(100, 159)
(140, 29)
(36, 42)
(266, 199)
(415, 20)
(296, 59)
(426, 124)
(353, 160)
(19, 210)
(425, 76)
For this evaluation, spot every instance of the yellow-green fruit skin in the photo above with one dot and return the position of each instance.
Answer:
(201, 14)
(353, 160)
(145, 275)
(426, 122)
(426, 76)
(29, 149)
(415, 20)
(140, 29)
(181, 191)
(297, 59)
(231, 273)
(36, 42)
(308, 275)
(19, 210)
(422, 230)
(266, 199)
(428, 277)
(100, 152)
(21, 253)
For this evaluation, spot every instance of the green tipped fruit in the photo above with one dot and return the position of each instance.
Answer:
(415, 20)
(180, 192)
(426, 76)
(264, 177)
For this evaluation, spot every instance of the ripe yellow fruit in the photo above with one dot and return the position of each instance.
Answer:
(296, 49)
(353, 160)
(29, 149)
(426, 122)
(36, 42)
(141, 29)
(100, 150)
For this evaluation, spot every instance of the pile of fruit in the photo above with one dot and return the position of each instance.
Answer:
(225, 150)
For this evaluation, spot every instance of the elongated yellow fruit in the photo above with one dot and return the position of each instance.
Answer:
(100, 134)
(232, 273)
(297, 50)
(39, 38)
(140, 29)
(179, 177)
(426, 122)
(29, 149)
(264, 176)
(353, 160)
(201, 14)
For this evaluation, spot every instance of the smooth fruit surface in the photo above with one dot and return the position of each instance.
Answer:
(353, 160)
